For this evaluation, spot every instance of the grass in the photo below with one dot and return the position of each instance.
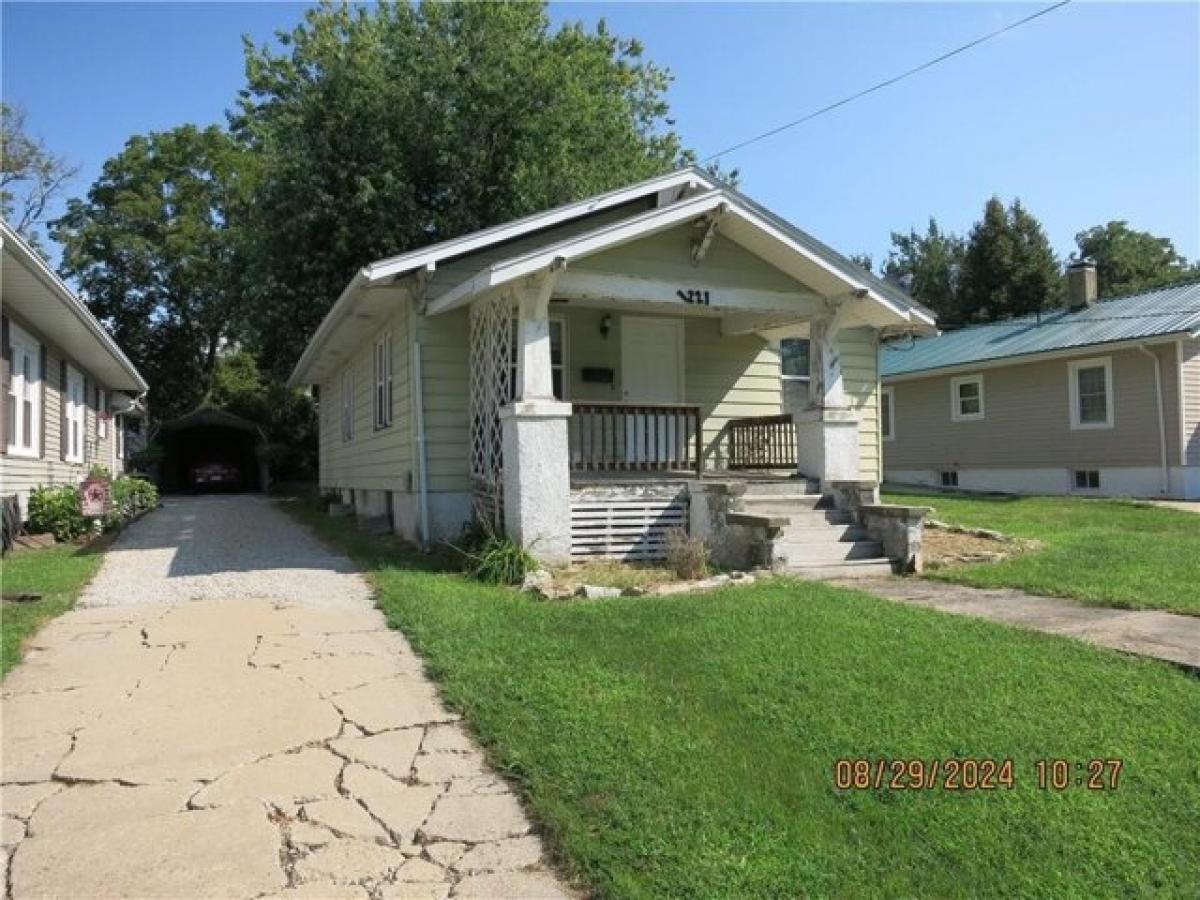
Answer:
(57, 573)
(1100, 552)
(684, 746)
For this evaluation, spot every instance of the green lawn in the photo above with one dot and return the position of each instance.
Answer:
(684, 746)
(1100, 552)
(58, 574)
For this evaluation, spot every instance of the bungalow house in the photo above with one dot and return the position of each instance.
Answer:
(1100, 398)
(591, 375)
(66, 384)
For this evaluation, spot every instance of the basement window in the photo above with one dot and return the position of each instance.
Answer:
(950, 479)
(1087, 479)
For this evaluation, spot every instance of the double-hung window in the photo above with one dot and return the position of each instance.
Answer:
(966, 398)
(558, 358)
(101, 414)
(383, 380)
(348, 405)
(1091, 391)
(794, 363)
(75, 416)
(887, 413)
(24, 394)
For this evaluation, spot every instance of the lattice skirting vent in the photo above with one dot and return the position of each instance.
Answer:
(625, 528)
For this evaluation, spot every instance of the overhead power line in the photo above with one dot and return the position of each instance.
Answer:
(887, 83)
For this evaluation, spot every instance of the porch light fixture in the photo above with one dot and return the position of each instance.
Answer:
(605, 325)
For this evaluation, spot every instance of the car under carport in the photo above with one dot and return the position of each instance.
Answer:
(210, 449)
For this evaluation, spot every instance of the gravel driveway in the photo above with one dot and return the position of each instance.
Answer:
(227, 716)
(223, 548)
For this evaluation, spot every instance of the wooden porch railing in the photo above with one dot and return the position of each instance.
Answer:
(762, 442)
(630, 437)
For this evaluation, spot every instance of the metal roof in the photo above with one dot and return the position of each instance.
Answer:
(1152, 314)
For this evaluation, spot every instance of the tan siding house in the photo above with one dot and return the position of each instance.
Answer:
(66, 385)
(620, 340)
(1111, 417)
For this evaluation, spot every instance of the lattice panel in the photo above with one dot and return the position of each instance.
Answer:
(491, 388)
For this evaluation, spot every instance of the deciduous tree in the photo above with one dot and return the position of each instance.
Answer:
(31, 176)
(928, 266)
(1128, 261)
(153, 248)
(387, 128)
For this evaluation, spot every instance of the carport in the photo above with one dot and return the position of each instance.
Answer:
(208, 436)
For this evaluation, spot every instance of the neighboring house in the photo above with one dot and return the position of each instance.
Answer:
(1101, 398)
(66, 384)
(600, 357)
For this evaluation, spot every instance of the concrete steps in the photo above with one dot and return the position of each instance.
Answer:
(814, 539)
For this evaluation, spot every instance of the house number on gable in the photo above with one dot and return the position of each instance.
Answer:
(700, 298)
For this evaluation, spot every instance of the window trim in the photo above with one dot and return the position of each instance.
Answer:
(19, 338)
(383, 392)
(76, 414)
(956, 413)
(1073, 368)
(348, 404)
(890, 419)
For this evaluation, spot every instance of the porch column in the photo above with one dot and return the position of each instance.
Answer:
(827, 431)
(537, 480)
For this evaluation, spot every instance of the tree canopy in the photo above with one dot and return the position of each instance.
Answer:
(153, 247)
(1129, 261)
(928, 266)
(387, 128)
(30, 174)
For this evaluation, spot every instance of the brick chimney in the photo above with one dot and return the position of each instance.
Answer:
(1081, 284)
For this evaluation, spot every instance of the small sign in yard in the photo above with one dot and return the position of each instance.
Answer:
(94, 495)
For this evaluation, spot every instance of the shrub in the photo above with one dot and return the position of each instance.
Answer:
(688, 556)
(131, 496)
(56, 510)
(492, 557)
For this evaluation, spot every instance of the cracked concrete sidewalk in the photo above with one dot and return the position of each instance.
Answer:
(246, 748)
(1160, 635)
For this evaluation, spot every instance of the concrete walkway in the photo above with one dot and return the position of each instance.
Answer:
(1166, 636)
(158, 742)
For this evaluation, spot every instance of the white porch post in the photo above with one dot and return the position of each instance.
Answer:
(827, 431)
(537, 481)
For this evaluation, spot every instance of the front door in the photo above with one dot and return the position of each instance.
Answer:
(651, 373)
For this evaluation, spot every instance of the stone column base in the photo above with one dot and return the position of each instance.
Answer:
(827, 439)
(537, 478)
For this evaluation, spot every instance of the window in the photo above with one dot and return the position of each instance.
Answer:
(558, 357)
(24, 395)
(74, 418)
(119, 434)
(794, 367)
(1091, 393)
(383, 380)
(887, 413)
(1087, 479)
(966, 398)
(949, 479)
(348, 405)
(101, 414)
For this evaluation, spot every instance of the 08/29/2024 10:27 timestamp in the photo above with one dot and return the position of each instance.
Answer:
(971, 774)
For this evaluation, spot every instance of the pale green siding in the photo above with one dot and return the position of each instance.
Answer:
(445, 372)
(374, 459)
(859, 348)
(667, 256)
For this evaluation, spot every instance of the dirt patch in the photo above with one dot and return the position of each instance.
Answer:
(610, 573)
(950, 548)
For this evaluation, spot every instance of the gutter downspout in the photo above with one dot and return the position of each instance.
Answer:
(419, 422)
(1165, 487)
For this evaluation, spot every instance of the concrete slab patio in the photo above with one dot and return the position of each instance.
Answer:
(236, 720)
(1160, 635)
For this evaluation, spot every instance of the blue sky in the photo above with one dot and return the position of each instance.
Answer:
(1088, 114)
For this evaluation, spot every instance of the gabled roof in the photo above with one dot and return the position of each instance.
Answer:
(688, 192)
(32, 290)
(1159, 314)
